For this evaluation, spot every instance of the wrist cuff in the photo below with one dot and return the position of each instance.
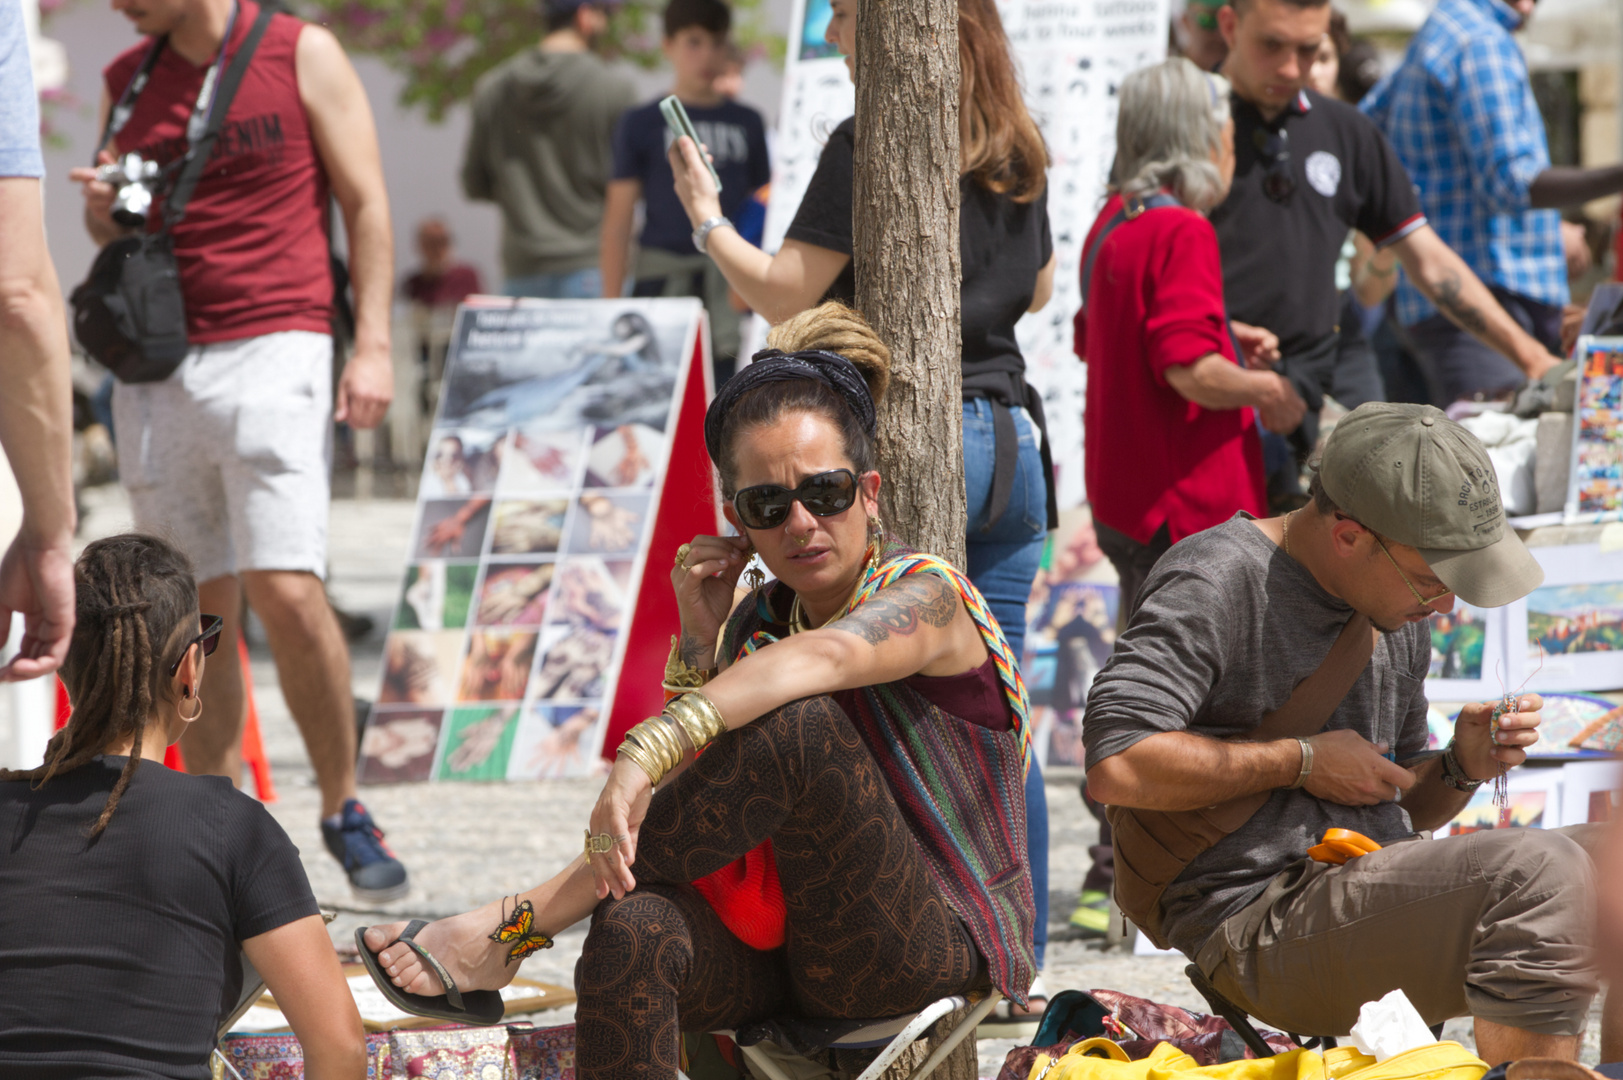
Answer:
(1307, 764)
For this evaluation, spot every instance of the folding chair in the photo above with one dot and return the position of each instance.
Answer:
(895, 1035)
(1241, 1022)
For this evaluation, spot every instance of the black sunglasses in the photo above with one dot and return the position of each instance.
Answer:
(1275, 148)
(766, 506)
(209, 639)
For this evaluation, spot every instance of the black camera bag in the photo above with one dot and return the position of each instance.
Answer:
(129, 314)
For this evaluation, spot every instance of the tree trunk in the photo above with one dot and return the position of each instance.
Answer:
(905, 230)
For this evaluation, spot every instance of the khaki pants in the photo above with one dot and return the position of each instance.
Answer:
(1497, 924)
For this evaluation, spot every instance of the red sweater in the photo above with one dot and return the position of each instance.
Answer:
(1152, 457)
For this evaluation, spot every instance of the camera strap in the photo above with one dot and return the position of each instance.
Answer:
(208, 114)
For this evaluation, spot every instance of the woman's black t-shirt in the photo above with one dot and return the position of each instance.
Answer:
(1002, 245)
(119, 956)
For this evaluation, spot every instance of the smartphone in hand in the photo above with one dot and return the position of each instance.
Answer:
(676, 118)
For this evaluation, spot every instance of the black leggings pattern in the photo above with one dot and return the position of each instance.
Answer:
(869, 933)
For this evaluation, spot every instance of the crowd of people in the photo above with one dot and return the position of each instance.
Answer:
(865, 830)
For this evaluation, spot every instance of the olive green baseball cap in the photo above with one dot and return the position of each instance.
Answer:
(1417, 478)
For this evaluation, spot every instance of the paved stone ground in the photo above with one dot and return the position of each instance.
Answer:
(467, 843)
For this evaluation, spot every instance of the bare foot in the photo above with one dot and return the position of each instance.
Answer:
(461, 943)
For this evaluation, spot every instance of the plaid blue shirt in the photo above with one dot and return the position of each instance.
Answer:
(1460, 112)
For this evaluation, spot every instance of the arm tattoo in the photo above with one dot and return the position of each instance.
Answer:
(1447, 296)
(901, 608)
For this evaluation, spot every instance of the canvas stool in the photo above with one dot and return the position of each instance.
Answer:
(894, 1035)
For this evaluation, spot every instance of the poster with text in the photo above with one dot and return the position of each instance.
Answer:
(545, 473)
(1072, 56)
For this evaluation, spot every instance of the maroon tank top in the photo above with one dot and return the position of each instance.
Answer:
(975, 695)
(252, 247)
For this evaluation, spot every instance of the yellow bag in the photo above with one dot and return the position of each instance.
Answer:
(1101, 1059)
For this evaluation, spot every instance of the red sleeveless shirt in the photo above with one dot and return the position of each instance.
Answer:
(252, 247)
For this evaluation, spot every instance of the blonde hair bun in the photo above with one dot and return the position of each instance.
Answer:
(835, 328)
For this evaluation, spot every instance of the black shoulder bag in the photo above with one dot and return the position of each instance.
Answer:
(129, 314)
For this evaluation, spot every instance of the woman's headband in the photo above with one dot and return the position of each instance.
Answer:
(773, 365)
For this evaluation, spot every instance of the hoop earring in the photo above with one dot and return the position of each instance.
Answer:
(196, 715)
(876, 530)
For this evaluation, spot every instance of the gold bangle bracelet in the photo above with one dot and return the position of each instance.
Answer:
(699, 717)
(688, 722)
(634, 753)
(659, 735)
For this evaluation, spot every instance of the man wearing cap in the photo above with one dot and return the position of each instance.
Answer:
(1270, 687)
(540, 148)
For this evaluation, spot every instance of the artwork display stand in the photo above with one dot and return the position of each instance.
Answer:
(566, 466)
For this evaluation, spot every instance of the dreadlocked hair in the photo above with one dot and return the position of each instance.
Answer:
(136, 601)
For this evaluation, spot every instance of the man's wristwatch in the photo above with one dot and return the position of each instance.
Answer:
(701, 235)
(1454, 774)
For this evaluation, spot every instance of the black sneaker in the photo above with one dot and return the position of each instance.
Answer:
(357, 843)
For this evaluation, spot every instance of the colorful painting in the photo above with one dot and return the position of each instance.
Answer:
(1595, 489)
(1566, 619)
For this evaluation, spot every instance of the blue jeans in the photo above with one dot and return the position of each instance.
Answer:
(1003, 562)
(584, 284)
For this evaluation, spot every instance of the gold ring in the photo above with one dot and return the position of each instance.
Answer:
(601, 844)
(682, 555)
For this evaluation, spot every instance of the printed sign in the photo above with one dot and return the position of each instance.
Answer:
(1595, 489)
(549, 478)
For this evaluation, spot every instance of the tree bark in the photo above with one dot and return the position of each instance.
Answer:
(905, 232)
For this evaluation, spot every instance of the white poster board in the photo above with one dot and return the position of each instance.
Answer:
(1073, 55)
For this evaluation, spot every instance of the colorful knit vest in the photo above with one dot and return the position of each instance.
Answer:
(959, 786)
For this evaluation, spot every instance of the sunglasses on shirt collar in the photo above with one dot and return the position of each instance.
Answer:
(766, 506)
(1274, 148)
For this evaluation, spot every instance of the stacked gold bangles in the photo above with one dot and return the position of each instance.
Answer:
(655, 745)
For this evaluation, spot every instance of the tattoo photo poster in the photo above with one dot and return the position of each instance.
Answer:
(1072, 56)
(1595, 484)
(565, 466)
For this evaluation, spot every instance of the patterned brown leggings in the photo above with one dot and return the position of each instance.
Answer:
(869, 934)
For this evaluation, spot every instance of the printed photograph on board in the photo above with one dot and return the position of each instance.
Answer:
(1595, 490)
(538, 461)
(607, 524)
(625, 456)
(420, 667)
(514, 594)
(462, 461)
(452, 528)
(436, 596)
(555, 741)
(477, 743)
(528, 526)
(497, 667)
(563, 368)
(398, 746)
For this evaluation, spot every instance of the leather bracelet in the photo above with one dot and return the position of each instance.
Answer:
(1307, 764)
(1454, 774)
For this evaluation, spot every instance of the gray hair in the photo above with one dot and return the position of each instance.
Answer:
(1170, 121)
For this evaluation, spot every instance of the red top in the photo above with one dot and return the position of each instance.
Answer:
(252, 247)
(456, 284)
(1150, 456)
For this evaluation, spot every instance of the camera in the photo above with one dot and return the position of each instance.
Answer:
(133, 178)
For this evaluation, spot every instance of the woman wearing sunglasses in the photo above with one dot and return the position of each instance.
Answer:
(137, 888)
(850, 843)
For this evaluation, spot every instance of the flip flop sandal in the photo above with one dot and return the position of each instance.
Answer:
(481, 1007)
(1007, 1021)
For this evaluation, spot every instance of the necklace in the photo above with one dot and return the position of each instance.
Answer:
(1286, 532)
(798, 620)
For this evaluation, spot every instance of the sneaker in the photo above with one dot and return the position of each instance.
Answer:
(1092, 912)
(375, 875)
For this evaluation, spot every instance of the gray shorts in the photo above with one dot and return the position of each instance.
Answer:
(229, 458)
(1498, 924)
